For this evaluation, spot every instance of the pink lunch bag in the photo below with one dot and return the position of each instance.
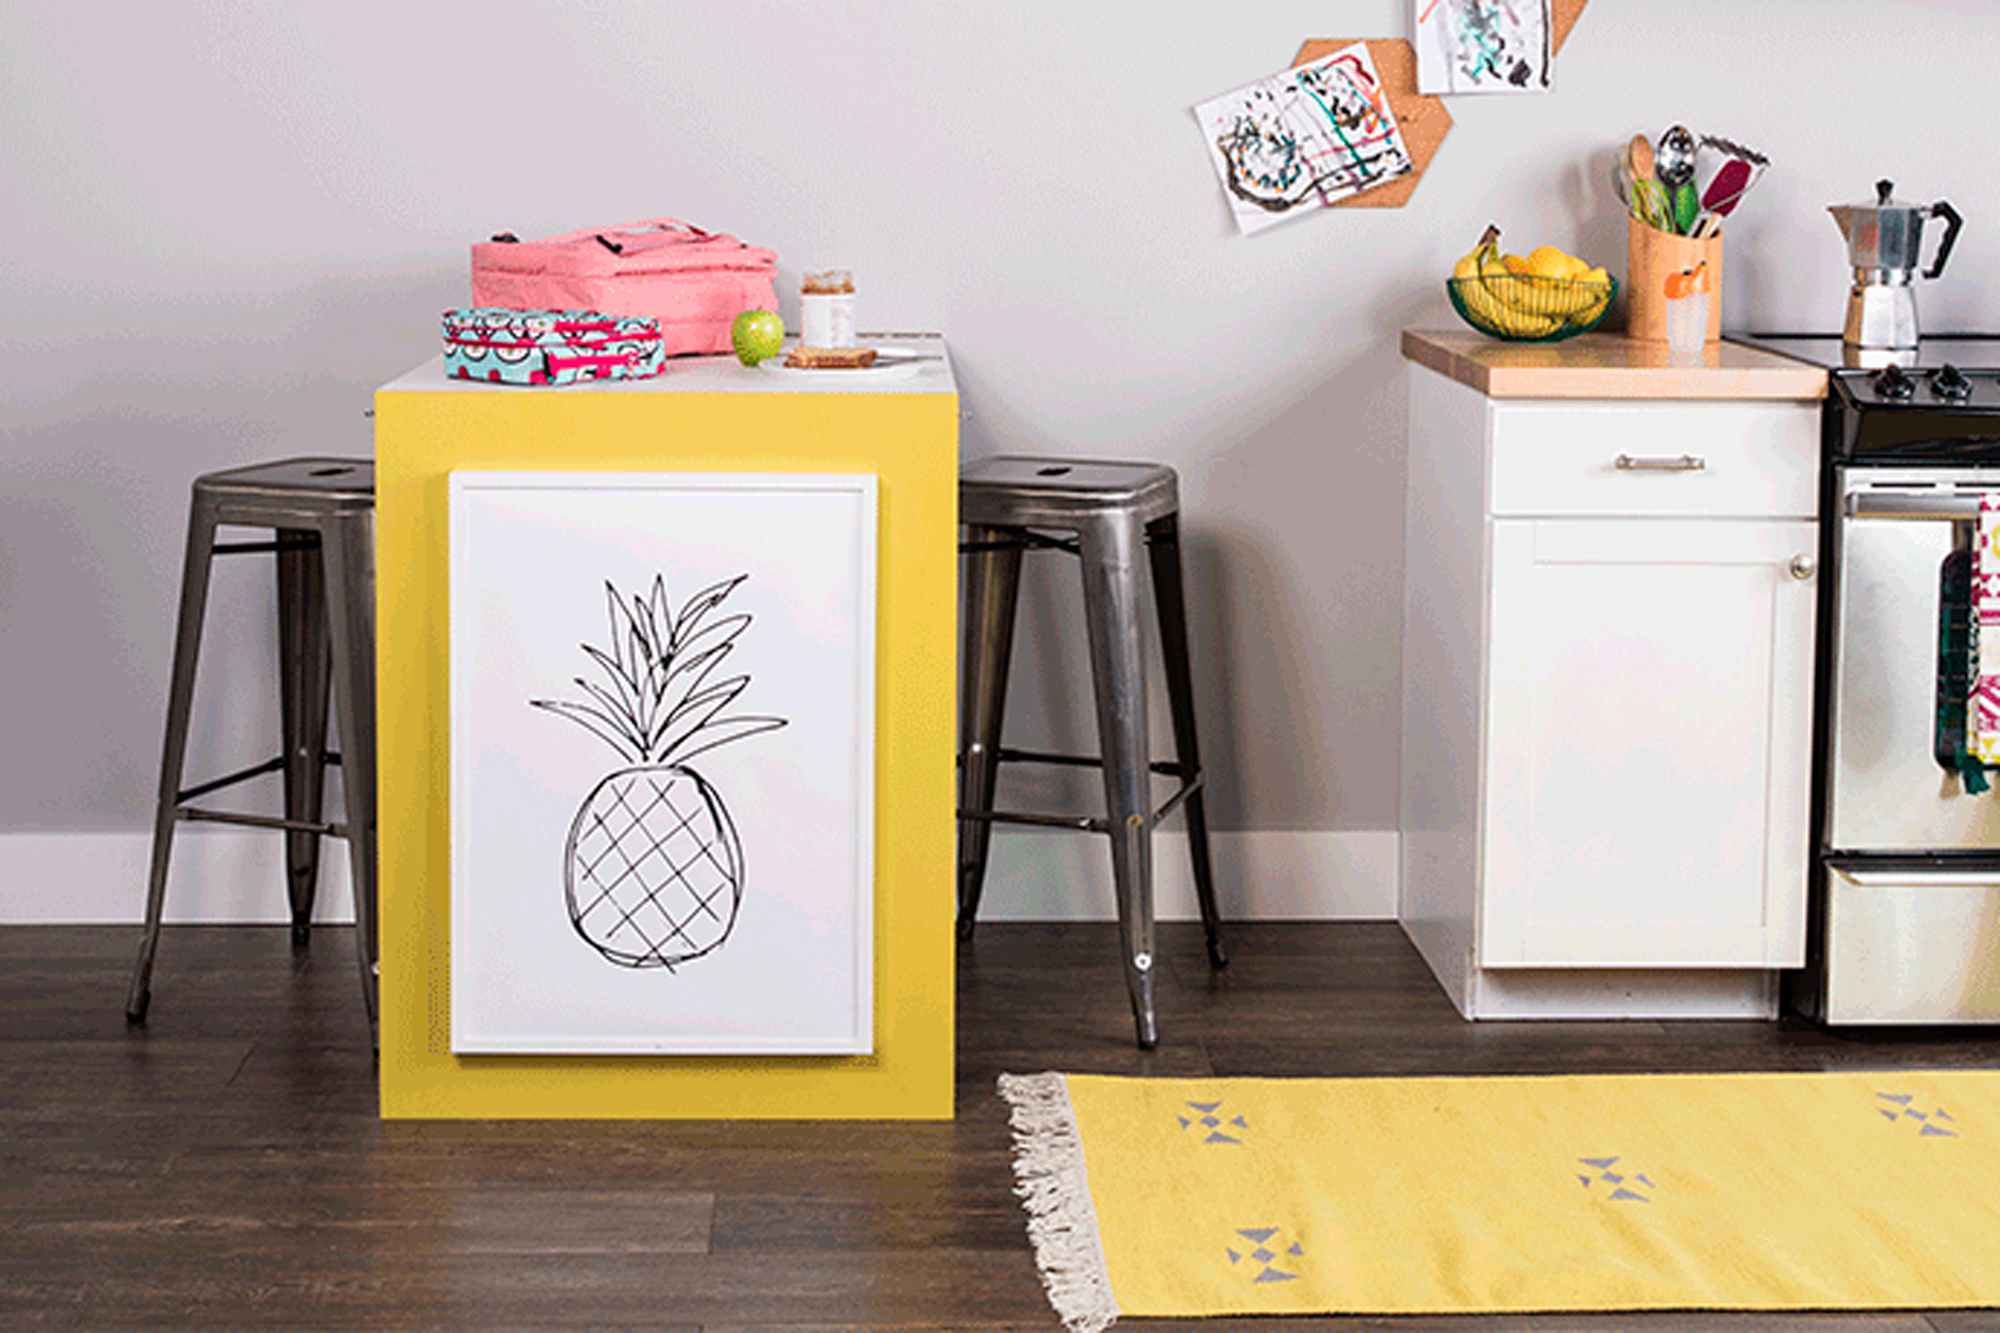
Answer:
(695, 283)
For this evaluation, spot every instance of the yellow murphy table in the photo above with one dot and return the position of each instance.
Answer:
(895, 431)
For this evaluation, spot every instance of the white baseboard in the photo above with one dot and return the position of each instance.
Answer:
(1050, 875)
(223, 876)
(217, 876)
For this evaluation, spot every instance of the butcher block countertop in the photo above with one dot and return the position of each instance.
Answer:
(1610, 365)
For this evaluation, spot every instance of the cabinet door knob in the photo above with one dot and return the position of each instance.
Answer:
(1685, 463)
(1803, 567)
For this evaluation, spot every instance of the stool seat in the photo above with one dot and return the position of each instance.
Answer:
(1105, 513)
(316, 486)
(321, 515)
(1056, 492)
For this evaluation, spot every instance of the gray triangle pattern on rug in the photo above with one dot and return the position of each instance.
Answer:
(1209, 1118)
(1622, 1183)
(1263, 1238)
(1906, 1109)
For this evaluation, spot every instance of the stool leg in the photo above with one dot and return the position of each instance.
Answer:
(173, 751)
(303, 685)
(992, 593)
(1111, 556)
(1164, 545)
(350, 594)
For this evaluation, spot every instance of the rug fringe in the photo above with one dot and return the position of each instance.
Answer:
(1049, 1179)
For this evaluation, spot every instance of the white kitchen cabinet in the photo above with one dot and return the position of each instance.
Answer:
(1608, 637)
(1647, 737)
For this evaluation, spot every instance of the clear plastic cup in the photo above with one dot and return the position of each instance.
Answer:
(1687, 310)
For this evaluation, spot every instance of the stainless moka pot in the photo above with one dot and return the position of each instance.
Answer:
(1884, 239)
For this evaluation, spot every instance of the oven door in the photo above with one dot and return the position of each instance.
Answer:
(1899, 631)
(1910, 943)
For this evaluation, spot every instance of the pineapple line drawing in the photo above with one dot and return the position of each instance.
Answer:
(653, 867)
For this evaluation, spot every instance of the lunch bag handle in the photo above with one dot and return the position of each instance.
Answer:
(633, 236)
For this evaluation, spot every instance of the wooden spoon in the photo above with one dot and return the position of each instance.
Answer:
(1648, 195)
(1639, 157)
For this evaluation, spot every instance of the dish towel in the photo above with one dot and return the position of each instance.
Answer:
(1982, 724)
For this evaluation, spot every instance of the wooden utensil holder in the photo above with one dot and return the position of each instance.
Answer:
(1651, 255)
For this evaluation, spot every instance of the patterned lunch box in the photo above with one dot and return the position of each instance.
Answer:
(548, 346)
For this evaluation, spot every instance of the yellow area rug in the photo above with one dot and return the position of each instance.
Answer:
(1876, 1190)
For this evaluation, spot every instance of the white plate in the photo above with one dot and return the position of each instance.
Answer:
(887, 363)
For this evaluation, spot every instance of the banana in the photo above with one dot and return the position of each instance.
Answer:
(1565, 298)
(1496, 297)
(1468, 264)
(1529, 296)
(1601, 298)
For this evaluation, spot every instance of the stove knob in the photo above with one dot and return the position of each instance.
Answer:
(1951, 385)
(1891, 383)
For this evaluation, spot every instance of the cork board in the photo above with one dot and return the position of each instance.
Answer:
(1422, 120)
(1563, 15)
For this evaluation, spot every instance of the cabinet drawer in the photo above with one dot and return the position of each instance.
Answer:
(1700, 459)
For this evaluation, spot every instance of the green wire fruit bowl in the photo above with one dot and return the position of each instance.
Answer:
(1522, 308)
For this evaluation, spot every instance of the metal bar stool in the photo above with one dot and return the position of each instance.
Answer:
(1104, 513)
(322, 515)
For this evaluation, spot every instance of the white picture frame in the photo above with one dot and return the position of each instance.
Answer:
(607, 899)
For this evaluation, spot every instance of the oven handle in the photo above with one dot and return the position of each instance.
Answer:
(1963, 506)
(1685, 463)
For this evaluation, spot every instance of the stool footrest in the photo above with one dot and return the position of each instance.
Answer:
(1084, 823)
(195, 816)
(1023, 539)
(1011, 756)
(244, 775)
(308, 543)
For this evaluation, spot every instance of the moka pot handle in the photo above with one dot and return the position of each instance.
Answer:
(1951, 221)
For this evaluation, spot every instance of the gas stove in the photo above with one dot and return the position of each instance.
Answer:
(1905, 878)
(1937, 401)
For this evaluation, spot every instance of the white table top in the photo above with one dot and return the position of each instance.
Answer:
(928, 370)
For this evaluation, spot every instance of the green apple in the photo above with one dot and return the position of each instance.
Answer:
(757, 336)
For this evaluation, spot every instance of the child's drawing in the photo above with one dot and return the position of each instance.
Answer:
(1306, 138)
(653, 869)
(1483, 46)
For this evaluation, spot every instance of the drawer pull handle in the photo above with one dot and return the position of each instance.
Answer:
(1803, 567)
(1685, 463)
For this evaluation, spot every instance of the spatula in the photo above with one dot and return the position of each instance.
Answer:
(1731, 179)
(1738, 171)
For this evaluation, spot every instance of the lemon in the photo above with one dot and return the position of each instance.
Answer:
(1546, 261)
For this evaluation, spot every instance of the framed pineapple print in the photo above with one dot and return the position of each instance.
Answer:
(662, 763)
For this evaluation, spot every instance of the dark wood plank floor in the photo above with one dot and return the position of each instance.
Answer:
(224, 1167)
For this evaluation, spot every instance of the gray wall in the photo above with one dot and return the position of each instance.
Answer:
(222, 225)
